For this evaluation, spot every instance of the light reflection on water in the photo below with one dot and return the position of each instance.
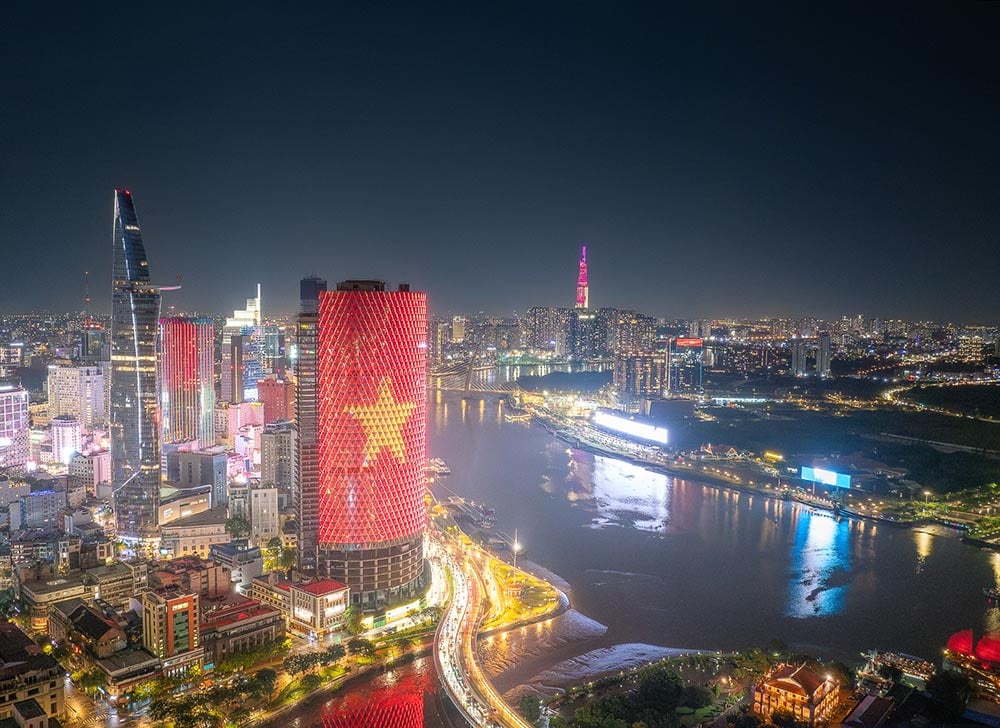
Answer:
(821, 566)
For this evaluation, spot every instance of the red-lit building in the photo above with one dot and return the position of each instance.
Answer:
(187, 380)
(277, 396)
(371, 394)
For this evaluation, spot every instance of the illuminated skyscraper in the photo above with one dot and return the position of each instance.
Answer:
(372, 381)
(135, 442)
(582, 285)
(14, 427)
(238, 347)
(187, 379)
(799, 357)
(305, 468)
(823, 355)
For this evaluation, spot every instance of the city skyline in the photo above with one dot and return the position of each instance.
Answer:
(792, 160)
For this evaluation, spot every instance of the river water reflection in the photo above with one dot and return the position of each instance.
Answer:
(656, 560)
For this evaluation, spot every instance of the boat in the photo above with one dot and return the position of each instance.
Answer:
(437, 466)
(991, 593)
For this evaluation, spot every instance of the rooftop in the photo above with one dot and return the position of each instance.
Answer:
(320, 588)
(796, 679)
(214, 517)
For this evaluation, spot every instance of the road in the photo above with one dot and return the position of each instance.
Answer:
(455, 651)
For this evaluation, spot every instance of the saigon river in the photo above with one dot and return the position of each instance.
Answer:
(655, 560)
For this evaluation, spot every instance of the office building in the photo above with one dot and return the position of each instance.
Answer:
(970, 349)
(278, 398)
(78, 392)
(196, 534)
(458, 329)
(201, 467)
(586, 339)
(15, 445)
(134, 416)
(372, 379)
(276, 456)
(684, 365)
(38, 509)
(238, 353)
(187, 379)
(305, 484)
(171, 619)
(90, 469)
(264, 522)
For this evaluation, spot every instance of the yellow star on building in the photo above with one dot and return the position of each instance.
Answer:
(383, 421)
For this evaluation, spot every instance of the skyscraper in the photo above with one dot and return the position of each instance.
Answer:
(187, 379)
(823, 355)
(135, 443)
(78, 391)
(305, 469)
(15, 447)
(237, 335)
(799, 357)
(582, 285)
(372, 380)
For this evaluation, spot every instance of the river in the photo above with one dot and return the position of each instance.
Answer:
(653, 561)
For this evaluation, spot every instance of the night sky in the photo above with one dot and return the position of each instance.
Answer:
(743, 159)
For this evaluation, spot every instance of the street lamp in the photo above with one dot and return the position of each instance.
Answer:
(927, 494)
(515, 548)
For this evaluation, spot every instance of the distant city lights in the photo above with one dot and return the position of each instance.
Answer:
(631, 427)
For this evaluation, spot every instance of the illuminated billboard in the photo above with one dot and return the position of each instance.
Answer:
(689, 343)
(626, 426)
(826, 477)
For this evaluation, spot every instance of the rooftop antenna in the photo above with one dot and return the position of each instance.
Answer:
(86, 293)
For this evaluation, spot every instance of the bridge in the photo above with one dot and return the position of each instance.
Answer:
(469, 377)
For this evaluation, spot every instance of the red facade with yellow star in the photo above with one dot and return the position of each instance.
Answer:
(371, 387)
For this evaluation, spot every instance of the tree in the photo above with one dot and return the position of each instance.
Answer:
(784, 718)
(333, 653)
(696, 696)
(264, 681)
(352, 620)
(530, 708)
(950, 691)
(362, 647)
(237, 527)
(288, 558)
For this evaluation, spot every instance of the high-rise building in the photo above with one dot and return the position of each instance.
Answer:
(135, 441)
(15, 444)
(970, 349)
(458, 329)
(638, 377)
(171, 617)
(305, 470)
(278, 398)
(582, 283)
(65, 437)
(823, 355)
(187, 379)
(264, 523)
(276, 454)
(372, 380)
(586, 339)
(237, 351)
(92, 343)
(798, 357)
(78, 392)
(547, 329)
(684, 364)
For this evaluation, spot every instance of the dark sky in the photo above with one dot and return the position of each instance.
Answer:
(745, 159)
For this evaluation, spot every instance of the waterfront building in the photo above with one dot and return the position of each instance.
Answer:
(187, 379)
(582, 282)
(684, 365)
(796, 688)
(78, 392)
(372, 378)
(239, 626)
(317, 608)
(305, 468)
(134, 416)
(15, 445)
(638, 377)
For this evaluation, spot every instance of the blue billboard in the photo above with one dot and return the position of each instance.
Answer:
(826, 477)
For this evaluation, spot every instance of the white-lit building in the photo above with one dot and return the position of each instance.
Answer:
(91, 469)
(78, 392)
(317, 607)
(66, 436)
(264, 521)
(15, 444)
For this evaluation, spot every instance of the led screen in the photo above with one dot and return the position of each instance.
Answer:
(631, 427)
(826, 477)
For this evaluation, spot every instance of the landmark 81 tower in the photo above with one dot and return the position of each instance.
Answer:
(135, 442)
